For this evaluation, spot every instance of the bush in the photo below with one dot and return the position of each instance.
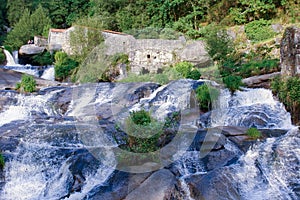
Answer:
(205, 95)
(253, 133)
(194, 74)
(259, 30)
(28, 84)
(232, 82)
(143, 132)
(2, 56)
(45, 58)
(140, 117)
(63, 66)
(258, 67)
(165, 77)
(187, 71)
(219, 46)
(119, 58)
(288, 92)
(2, 162)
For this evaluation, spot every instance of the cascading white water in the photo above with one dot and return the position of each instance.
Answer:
(270, 170)
(39, 168)
(250, 108)
(16, 56)
(48, 74)
(26, 106)
(9, 58)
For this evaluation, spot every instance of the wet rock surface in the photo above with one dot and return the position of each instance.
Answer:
(58, 138)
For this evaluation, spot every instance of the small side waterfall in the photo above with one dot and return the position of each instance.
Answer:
(270, 170)
(250, 108)
(16, 56)
(49, 74)
(9, 58)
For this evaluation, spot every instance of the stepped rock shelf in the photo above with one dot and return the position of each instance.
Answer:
(53, 149)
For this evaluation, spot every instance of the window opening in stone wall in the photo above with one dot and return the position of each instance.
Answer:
(148, 56)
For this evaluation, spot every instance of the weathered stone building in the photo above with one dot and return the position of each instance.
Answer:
(145, 55)
(290, 52)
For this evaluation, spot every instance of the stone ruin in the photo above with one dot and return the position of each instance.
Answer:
(144, 55)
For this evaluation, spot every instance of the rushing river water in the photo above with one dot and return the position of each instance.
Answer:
(51, 158)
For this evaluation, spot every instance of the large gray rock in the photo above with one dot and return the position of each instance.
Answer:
(9, 79)
(195, 53)
(156, 187)
(260, 81)
(31, 49)
(290, 52)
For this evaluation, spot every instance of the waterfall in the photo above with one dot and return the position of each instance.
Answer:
(61, 155)
(9, 58)
(270, 170)
(250, 108)
(16, 56)
(48, 74)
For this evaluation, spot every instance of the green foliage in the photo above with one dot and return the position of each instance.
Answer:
(28, 26)
(143, 132)
(85, 37)
(154, 33)
(206, 95)
(187, 70)
(2, 162)
(63, 65)
(288, 91)
(119, 58)
(194, 74)
(232, 82)
(254, 133)
(94, 67)
(28, 84)
(2, 56)
(45, 58)
(165, 77)
(258, 67)
(220, 46)
(140, 117)
(259, 30)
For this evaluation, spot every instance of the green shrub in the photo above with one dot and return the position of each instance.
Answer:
(254, 133)
(45, 58)
(187, 71)
(143, 132)
(63, 65)
(258, 67)
(259, 30)
(119, 58)
(288, 92)
(205, 95)
(28, 84)
(194, 74)
(2, 162)
(2, 56)
(141, 117)
(232, 82)
(219, 45)
(165, 77)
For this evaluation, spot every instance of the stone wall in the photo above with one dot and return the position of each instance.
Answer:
(290, 52)
(145, 55)
(56, 39)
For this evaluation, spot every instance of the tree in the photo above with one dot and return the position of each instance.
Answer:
(220, 46)
(86, 36)
(28, 26)
(15, 10)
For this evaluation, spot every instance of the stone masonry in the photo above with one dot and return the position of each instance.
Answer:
(145, 55)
